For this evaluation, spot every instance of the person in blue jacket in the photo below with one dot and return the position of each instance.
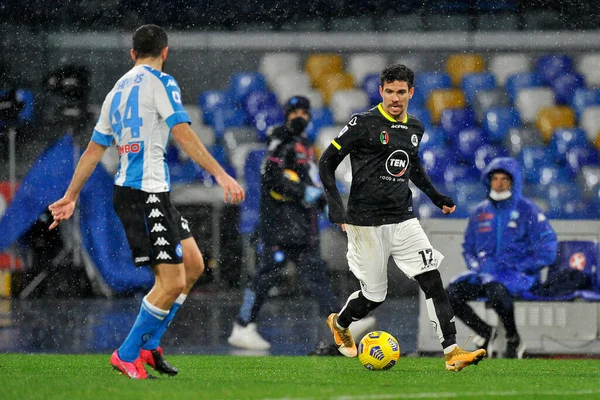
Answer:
(507, 242)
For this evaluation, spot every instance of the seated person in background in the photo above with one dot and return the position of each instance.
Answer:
(507, 242)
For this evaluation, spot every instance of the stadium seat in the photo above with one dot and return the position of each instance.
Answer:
(344, 102)
(326, 135)
(210, 100)
(238, 136)
(432, 138)
(266, 119)
(242, 83)
(25, 96)
(503, 65)
(548, 174)
(520, 137)
(520, 81)
(467, 142)
(578, 157)
(529, 101)
(318, 65)
(371, 84)
(485, 100)
(550, 66)
(425, 82)
(588, 65)
(363, 64)
(498, 121)
(534, 159)
(286, 84)
(328, 84)
(459, 65)
(441, 99)
(320, 118)
(275, 64)
(455, 174)
(413, 61)
(550, 118)
(259, 100)
(436, 160)
(565, 85)
(250, 208)
(556, 194)
(454, 120)
(583, 98)
(471, 84)
(588, 181)
(590, 123)
(486, 153)
(467, 194)
(421, 114)
(563, 139)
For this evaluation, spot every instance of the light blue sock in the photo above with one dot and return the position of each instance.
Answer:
(246, 309)
(146, 323)
(154, 341)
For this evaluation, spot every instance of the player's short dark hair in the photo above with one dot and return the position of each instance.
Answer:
(502, 171)
(398, 72)
(149, 41)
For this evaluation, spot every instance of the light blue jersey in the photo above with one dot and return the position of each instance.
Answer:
(138, 115)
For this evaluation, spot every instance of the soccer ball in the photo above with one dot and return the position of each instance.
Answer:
(378, 351)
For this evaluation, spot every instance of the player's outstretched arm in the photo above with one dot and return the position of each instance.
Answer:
(193, 147)
(63, 209)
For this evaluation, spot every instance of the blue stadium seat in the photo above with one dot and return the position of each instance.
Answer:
(498, 121)
(320, 118)
(462, 173)
(422, 115)
(467, 195)
(565, 85)
(250, 208)
(550, 66)
(564, 139)
(467, 142)
(371, 84)
(27, 114)
(473, 83)
(426, 82)
(486, 153)
(266, 119)
(432, 138)
(545, 170)
(243, 83)
(519, 81)
(437, 160)
(259, 100)
(210, 100)
(580, 156)
(454, 120)
(583, 98)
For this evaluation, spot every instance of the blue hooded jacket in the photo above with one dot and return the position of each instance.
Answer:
(507, 241)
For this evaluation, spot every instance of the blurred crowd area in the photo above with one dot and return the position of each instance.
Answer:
(289, 15)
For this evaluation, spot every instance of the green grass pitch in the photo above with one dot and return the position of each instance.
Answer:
(301, 378)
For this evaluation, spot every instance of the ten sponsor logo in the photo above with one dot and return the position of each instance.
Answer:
(397, 163)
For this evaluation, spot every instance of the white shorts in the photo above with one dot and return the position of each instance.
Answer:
(370, 247)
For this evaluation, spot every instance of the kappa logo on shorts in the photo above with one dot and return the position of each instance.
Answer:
(163, 256)
(153, 199)
(155, 213)
(161, 241)
(158, 228)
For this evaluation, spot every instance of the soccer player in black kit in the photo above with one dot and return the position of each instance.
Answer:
(383, 144)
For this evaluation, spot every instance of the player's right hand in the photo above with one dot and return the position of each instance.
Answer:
(233, 192)
(61, 210)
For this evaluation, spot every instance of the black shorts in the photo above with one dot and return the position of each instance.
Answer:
(153, 226)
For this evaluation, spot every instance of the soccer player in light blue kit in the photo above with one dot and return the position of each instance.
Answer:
(138, 115)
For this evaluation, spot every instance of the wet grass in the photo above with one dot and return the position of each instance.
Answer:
(231, 377)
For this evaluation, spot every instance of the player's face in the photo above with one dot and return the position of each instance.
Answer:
(501, 182)
(395, 96)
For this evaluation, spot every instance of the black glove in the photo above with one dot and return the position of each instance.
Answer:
(442, 201)
(297, 125)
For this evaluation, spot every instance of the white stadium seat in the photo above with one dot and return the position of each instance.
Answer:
(507, 64)
(590, 122)
(588, 65)
(275, 64)
(363, 64)
(289, 82)
(346, 102)
(530, 100)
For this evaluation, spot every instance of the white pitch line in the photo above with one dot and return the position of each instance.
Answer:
(435, 395)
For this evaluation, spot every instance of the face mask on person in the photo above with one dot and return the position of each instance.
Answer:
(500, 196)
(298, 124)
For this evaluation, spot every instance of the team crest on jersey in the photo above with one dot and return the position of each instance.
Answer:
(414, 140)
(384, 137)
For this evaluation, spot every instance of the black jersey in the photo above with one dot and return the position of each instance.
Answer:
(384, 154)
